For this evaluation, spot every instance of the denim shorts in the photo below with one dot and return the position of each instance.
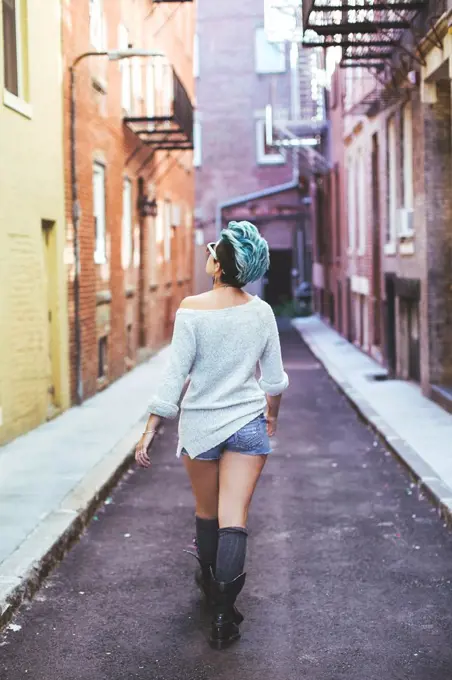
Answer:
(252, 440)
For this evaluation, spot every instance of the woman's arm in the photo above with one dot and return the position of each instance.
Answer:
(274, 380)
(165, 403)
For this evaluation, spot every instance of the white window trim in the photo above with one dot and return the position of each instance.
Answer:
(351, 215)
(100, 252)
(137, 78)
(167, 230)
(197, 144)
(126, 74)
(259, 60)
(97, 30)
(262, 157)
(392, 183)
(16, 104)
(196, 62)
(408, 189)
(13, 101)
(361, 204)
(127, 224)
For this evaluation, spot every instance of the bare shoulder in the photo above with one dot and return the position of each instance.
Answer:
(196, 301)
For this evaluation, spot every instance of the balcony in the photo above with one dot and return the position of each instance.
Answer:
(368, 32)
(166, 118)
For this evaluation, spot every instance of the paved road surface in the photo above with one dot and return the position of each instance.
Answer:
(349, 571)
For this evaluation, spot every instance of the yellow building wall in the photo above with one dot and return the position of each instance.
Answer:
(34, 367)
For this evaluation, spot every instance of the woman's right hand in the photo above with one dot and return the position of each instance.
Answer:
(141, 451)
(271, 425)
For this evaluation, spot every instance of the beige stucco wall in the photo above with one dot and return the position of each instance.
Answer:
(32, 190)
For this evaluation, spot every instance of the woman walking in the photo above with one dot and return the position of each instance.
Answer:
(227, 414)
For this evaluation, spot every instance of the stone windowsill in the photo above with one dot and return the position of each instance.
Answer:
(103, 297)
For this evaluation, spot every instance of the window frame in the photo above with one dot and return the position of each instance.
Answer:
(127, 229)
(196, 60)
(18, 102)
(197, 144)
(96, 25)
(263, 158)
(408, 156)
(100, 249)
(361, 201)
(261, 68)
(167, 225)
(391, 136)
(126, 71)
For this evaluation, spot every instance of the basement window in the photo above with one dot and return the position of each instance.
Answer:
(102, 357)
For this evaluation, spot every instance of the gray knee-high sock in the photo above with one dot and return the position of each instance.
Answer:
(231, 553)
(207, 539)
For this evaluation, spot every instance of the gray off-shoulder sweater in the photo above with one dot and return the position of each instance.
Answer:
(220, 350)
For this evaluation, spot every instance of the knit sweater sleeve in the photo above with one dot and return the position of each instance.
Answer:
(165, 402)
(274, 380)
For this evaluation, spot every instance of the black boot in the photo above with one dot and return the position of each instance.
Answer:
(225, 627)
(203, 579)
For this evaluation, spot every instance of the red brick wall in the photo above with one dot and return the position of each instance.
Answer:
(147, 305)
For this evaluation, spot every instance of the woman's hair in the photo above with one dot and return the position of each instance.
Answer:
(242, 253)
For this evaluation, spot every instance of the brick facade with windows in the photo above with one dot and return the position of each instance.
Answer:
(134, 269)
(399, 305)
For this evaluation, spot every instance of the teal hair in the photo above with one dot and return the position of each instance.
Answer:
(252, 257)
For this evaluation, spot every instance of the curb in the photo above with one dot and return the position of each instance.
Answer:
(23, 572)
(426, 478)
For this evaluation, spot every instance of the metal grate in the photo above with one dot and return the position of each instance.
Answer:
(168, 123)
(368, 32)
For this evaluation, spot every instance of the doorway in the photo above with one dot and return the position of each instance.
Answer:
(50, 297)
(278, 282)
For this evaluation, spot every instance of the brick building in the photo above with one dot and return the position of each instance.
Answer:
(133, 160)
(390, 228)
(240, 172)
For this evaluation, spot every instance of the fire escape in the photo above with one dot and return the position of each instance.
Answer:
(166, 121)
(381, 36)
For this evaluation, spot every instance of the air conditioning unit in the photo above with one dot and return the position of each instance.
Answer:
(406, 223)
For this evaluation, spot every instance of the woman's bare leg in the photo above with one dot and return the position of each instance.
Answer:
(239, 474)
(204, 481)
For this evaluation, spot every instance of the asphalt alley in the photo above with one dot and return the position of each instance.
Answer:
(349, 568)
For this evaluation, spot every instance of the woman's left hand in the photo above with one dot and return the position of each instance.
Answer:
(141, 451)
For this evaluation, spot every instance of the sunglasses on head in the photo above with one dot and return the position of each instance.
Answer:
(210, 250)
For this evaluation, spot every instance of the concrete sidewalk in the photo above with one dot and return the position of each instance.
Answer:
(52, 478)
(416, 429)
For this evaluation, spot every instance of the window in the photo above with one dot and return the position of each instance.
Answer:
(167, 232)
(407, 136)
(196, 56)
(102, 357)
(126, 243)
(392, 180)
(361, 204)
(266, 155)
(137, 78)
(338, 208)
(351, 207)
(96, 24)
(14, 40)
(126, 91)
(99, 213)
(270, 56)
(197, 144)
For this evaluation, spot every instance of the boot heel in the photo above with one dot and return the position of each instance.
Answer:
(221, 637)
